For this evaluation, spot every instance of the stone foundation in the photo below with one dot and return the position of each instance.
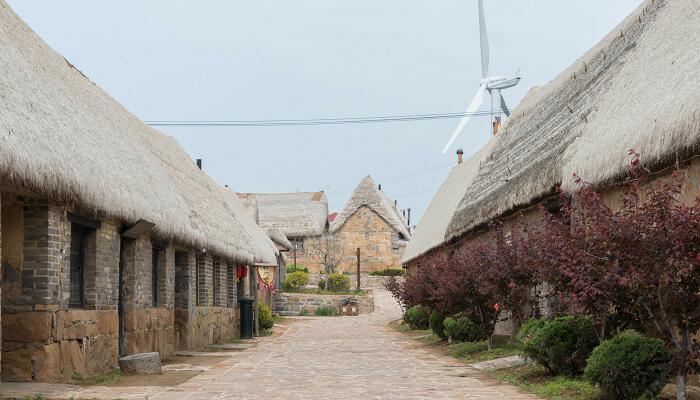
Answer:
(52, 346)
(298, 302)
(150, 330)
(196, 328)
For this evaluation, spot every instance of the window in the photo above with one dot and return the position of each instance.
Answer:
(78, 244)
(395, 243)
(298, 244)
(154, 275)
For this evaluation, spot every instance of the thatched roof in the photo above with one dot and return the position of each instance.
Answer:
(295, 214)
(367, 194)
(64, 138)
(279, 238)
(639, 88)
(430, 232)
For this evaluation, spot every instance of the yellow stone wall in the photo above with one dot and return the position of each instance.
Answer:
(374, 236)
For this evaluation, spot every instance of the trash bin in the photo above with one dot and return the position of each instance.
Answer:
(348, 306)
(246, 318)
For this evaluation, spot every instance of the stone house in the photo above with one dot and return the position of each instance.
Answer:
(301, 217)
(615, 98)
(371, 222)
(113, 242)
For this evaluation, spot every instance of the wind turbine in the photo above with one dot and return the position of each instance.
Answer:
(493, 85)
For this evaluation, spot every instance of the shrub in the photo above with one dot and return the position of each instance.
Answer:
(388, 272)
(528, 331)
(290, 268)
(338, 283)
(321, 284)
(295, 281)
(417, 317)
(265, 316)
(326, 311)
(462, 329)
(629, 366)
(561, 345)
(436, 324)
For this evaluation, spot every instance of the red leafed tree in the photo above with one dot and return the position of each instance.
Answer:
(501, 276)
(579, 258)
(661, 236)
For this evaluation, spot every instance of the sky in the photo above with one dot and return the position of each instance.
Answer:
(308, 59)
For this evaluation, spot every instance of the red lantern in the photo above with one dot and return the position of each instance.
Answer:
(241, 272)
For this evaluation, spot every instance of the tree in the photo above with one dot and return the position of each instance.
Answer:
(327, 251)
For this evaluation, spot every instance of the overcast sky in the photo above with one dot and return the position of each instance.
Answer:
(301, 59)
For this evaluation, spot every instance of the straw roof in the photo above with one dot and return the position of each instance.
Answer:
(279, 238)
(430, 232)
(294, 214)
(64, 138)
(367, 194)
(639, 88)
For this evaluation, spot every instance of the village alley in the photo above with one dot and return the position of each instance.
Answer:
(319, 358)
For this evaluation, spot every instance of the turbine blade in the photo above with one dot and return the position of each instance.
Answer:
(473, 107)
(484, 38)
(504, 107)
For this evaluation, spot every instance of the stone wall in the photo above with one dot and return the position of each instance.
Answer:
(150, 330)
(201, 326)
(298, 302)
(377, 240)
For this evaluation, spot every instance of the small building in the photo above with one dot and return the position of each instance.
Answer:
(301, 217)
(113, 242)
(372, 223)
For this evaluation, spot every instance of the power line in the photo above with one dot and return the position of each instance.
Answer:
(318, 121)
(400, 195)
(392, 179)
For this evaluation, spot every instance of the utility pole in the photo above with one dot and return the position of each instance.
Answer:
(358, 268)
(295, 256)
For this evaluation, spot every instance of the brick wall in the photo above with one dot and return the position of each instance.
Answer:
(232, 285)
(220, 286)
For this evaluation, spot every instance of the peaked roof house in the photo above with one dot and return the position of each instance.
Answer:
(104, 222)
(371, 222)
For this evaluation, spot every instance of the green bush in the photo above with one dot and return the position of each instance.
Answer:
(338, 283)
(321, 284)
(561, 345)
(290, 268)
(461, 328)
(417, 317)
(265, 316)
(388, 272)
(295, 281)
(436, 324)
(629, 366)
(528, 331)
(326, 311)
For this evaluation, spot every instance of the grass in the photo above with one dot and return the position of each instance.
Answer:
(535, 379)
(98, 379)
(234, 340)
(474, 352)
(326, 311)
(277, 319)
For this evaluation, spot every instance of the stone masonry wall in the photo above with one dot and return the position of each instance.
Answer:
(298, 302)
(42, 339)
(375, 238)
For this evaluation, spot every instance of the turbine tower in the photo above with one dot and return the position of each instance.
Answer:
(494, 85)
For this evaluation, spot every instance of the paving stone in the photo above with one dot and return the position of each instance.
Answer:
(142, 363)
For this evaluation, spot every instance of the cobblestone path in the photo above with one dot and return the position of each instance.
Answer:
(343, 358)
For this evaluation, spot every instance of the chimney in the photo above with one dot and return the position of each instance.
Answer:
(380, 186)
(396, 202)
(496, 125)
(460, 153)
(409, 217)
(404, 213)
(199, 163)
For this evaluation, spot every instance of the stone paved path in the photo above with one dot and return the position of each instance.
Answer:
(334, 358)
